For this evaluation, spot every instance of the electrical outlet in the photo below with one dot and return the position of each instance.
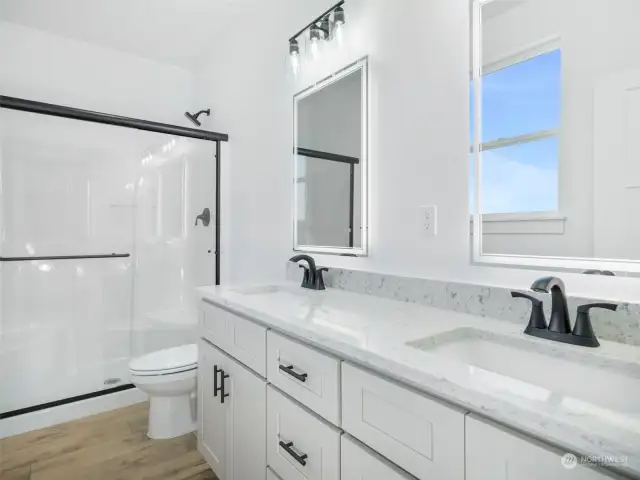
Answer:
(429, 220)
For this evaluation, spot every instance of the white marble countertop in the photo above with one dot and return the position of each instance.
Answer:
(579, 414)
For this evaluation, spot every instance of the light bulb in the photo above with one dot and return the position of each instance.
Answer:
(314, 36)
(338, 33)
(294, 53)
(295, 63)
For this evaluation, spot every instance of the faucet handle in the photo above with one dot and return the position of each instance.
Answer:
(320, 279)
(537, 318)
(583, 327)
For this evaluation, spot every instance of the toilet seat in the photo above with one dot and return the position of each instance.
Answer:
(166, 362)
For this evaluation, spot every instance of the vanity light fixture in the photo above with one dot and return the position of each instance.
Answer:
(294, 53)
(338, 24)
(314, 36)
(322, 28)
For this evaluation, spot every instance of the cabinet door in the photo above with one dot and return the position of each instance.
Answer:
(247, 405)
(212, 416)
(360, 464)
(231, 434)
(496, 454)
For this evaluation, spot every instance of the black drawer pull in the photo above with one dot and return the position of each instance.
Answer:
(216, 370)
(223, 395)
(298, 458)
(219, 388)
(289, 371)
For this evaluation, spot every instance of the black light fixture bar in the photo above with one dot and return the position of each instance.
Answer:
(334, 157)
(320, 18)
(20, 104)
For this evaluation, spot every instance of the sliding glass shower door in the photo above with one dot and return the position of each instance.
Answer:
(108, 216)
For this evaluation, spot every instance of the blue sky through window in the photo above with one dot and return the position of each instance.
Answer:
(521, 99)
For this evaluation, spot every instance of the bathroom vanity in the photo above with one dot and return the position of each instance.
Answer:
(299, 384)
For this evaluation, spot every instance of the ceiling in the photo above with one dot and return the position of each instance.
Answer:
(169, 31)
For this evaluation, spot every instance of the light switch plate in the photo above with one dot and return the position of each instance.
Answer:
(429, 220)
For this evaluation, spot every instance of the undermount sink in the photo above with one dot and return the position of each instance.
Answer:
(501, 364)
(257, 289)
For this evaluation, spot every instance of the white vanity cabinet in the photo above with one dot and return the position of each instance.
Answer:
(231, 416)
(494, 453)
(296, 412)
(358, 463)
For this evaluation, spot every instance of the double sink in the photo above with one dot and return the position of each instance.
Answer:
(581, 381)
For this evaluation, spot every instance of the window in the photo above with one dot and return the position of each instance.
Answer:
(521, 107)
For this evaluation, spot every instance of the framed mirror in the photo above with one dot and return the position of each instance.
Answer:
(555, 102)
(330, 164)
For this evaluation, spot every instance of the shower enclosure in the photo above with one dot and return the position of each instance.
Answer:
(100, 250)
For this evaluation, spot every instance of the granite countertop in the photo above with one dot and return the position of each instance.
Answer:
(435, 351)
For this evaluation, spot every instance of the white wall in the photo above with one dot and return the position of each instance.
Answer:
(418, 52)
(40, 66)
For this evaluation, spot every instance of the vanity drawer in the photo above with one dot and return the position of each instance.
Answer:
(359, 463)
(422, 436)
(241, 339)
(299, 445)
(311, 377)
(271, 475)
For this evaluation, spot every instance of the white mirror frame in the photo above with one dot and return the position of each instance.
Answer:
(363, 65)
(574, 264)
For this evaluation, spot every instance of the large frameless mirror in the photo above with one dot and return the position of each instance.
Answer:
(555, 177)
(330, 164)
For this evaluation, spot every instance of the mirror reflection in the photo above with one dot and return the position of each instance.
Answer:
(330, 162)
(559, 96)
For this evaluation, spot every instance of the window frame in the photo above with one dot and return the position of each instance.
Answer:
(529, 52)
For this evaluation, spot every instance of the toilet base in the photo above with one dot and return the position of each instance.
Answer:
(172, 416)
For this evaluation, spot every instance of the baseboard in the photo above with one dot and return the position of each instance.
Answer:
(72, 411)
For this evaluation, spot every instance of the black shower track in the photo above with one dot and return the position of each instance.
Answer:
(13, 103)
(63, 257)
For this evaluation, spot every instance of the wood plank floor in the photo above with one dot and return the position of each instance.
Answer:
(108, 446)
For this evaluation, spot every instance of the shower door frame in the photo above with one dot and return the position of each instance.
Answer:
(31, 106)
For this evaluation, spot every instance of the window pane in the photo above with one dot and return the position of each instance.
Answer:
(521, 178)
(522, 98)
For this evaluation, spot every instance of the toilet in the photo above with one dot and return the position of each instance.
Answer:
(169, 378)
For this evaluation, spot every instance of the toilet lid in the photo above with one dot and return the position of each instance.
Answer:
(176, 359)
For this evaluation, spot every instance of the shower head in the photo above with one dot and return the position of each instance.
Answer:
(194, 116)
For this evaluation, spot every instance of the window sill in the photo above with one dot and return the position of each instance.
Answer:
(522, 223)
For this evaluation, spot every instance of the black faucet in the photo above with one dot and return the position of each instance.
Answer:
(312, 278)
(559, 312)
(559, 328)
